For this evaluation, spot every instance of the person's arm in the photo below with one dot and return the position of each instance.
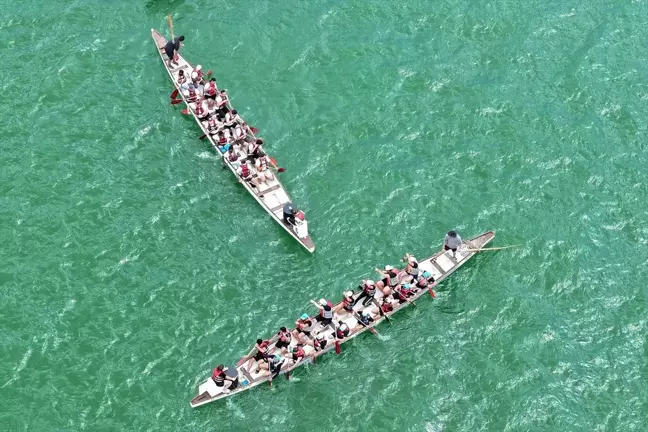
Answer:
(317, 305)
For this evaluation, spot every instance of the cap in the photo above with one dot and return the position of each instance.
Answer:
(369, 282)
(348, 293)
(304, 317)
(198, 67)
(406, 286)
(323, 302)
(388, 267)
(452, 233)
(277, 357)
(194, 75)
(343, 327)
(426, 274)
(366, 313)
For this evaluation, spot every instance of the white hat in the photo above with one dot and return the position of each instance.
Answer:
(366, 312)
(198, 67)
(323, 302)
(388, 267)
(348, 293)
(194, 75)
(343, 327)
(369, 282)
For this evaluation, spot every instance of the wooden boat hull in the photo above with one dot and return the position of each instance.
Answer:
(272, 198)
(440, 265)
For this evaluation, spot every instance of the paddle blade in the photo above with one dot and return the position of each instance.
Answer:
(254, 130)
(185, 112)
(281, 169)
(432, 292)
(203, 136)
(373, 331)
(174, 94)
(209, 72)
(337, 347)
(176, 101)
(287, 376)
(274, 161)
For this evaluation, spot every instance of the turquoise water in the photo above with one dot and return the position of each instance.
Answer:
(132, 263)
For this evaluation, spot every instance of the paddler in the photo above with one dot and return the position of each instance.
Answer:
(261, 348)
(303, 327)
(171, 49)
(298, 354)
(211, 90)
(220, 377)
(342, 331)
(424, 280)
(245, 172)
(402, 292)
(199, 73)
(386, 304)
(273, 366)
(325, 316)
(182, 80)
(201, 111)
(412, 268)
(368, 288)
(346, 305)
(452, 242)
(320, 342)
(365, 317)
(390, 277)
(263, 170)
(284, 339)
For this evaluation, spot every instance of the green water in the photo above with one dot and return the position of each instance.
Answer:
(132, 263)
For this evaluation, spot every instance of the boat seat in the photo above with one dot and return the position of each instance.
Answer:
(268, 190)
(444, 262)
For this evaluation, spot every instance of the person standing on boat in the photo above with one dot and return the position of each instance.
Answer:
(452, 242)
(171, 49)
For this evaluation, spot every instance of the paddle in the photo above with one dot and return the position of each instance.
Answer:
(274, 163)
(431, 291)
(491, 249)
(203, 136)
(174, 94)
(170, 25)
(338, 350)
(371, 329)
(176, 101)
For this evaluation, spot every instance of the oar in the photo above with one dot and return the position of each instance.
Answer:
(338, 350)
(174, 94)
(274, 162)
(170, 25)
(431, 291)
(176, 101)
(203, 136)
(254, 130)
(491, 249)
(371, 329)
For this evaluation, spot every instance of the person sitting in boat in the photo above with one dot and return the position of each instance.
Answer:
(342, 331)
(325, 316)
(403, 292)
(197, 83)
(303, 328)
(245, 171)
(254, 149)
(273, 367)
(212, 125)
(211, 106)
(239, 134)
(262, 165)
(211, 89)
(182, 80)
(261, 348)
(298, 354)
(386, 304)
(284, 339)
(221, 102)
(365, 317)
(289, 214)
(319, 343)
(368, 288)
(199, 73)
(191, 94)
(412, 268)
(390, 277)
(233, 157)
(424, 280)
(220, 379)
(452, 242)
(201, 110)
(346, 305)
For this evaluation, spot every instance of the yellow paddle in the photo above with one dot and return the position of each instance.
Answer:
(491, 249)
(170, 25)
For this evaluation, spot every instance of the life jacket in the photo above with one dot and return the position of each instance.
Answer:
(245, 171)
(387, 307)
(319, 344)
(300, 352)
(211, 88)
(182, 79)
(347, 304)
(199, 74)
(285, 337)
(422, 283)
(327, 314)
(200, 111)
(212, 123)
(393, 279)
(342, 334)
(369, 289)
(263, 345)
(192, 93)
(233, 156)
(263, 164)
(218, 377)
(414, 271)
(405, 291)
(305, 325)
